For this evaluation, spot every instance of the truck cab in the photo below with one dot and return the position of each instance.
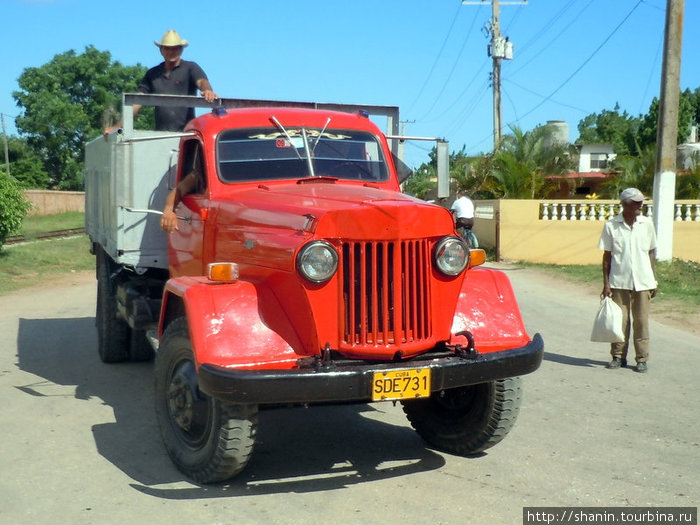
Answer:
(299, 273)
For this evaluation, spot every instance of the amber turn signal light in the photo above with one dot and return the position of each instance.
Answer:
(477, 257)
(224, 272)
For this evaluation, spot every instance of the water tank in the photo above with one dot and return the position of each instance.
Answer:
(559, 132)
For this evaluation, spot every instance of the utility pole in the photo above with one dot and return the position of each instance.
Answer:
(667, 133)
(4, 137)
(499, 49)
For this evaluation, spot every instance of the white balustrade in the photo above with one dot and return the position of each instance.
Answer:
(591, 213)
(602, 211)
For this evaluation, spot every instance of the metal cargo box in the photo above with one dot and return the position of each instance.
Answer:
(125, 177)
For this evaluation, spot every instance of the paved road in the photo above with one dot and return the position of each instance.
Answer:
(80, 444)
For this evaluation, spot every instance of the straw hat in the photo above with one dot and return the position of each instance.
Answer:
(171, 39)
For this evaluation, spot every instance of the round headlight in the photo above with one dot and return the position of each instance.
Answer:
(451, 255)
(317, 261)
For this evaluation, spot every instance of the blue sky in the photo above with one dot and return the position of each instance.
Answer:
(572, 57)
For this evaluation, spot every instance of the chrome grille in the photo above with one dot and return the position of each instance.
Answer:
(385, 292)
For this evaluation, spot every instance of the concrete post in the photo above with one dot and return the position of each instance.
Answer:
(666, 139)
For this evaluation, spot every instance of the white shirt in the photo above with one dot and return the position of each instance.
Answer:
(463, 208)
(630, 267)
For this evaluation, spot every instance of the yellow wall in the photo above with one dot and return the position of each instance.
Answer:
(522, 236)
(47, 202)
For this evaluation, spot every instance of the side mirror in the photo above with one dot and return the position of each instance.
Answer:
(402, 169)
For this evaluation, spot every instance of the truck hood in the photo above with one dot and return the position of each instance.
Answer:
(325, 209)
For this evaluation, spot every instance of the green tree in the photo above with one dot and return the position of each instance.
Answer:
(25, 165)
(649, 123)
(632, 171)
(694, 98)
(424, 178)
(421, 182)
(64, 103)
(13, 207)
(610, 127)
(473, 175)
(688, 183)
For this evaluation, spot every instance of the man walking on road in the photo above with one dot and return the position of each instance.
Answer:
(629, 244)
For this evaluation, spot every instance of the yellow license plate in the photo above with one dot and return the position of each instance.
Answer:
(401, 384)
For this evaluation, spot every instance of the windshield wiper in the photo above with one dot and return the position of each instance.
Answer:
(291, 143)
(320, 135)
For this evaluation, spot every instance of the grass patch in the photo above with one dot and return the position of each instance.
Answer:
(32, 225)
(679, 281)
(38, 262)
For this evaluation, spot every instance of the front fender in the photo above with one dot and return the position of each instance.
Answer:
(488, 309)
(238, 325)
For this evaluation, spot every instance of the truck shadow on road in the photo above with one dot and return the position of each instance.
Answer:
(573, 361)
(298, 449)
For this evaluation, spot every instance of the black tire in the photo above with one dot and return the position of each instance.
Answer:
(468, 420)
(139, 347)
(207, 440)
(112, 333)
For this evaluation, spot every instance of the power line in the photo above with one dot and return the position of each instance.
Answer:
(513, 20)
(510, 81)
(450, 107)
(662, 9)
(458, 121)
(584, 62)
(454, 66)
(556, 37)
(651, 72)
(546, 27)
(437, 59)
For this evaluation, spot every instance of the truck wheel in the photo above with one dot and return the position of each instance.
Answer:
(467, 420)
(112, 333)
(207, 440)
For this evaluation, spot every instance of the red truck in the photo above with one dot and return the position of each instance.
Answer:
(299, 274)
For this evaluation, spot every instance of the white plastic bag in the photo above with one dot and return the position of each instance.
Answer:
(607, 327)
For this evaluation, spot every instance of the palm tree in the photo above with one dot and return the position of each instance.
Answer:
(524, 159)
(633, 171)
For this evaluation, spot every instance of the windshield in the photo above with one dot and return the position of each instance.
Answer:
(274, 154)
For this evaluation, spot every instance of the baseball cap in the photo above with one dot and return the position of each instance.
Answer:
(632, 194)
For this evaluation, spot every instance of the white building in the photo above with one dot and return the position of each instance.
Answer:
(595, 158)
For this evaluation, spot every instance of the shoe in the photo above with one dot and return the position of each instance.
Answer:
(641, 368)
(615, 363)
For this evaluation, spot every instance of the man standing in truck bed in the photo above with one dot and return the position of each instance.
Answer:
(173, 76)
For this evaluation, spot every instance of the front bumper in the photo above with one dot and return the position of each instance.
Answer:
(352, 381)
